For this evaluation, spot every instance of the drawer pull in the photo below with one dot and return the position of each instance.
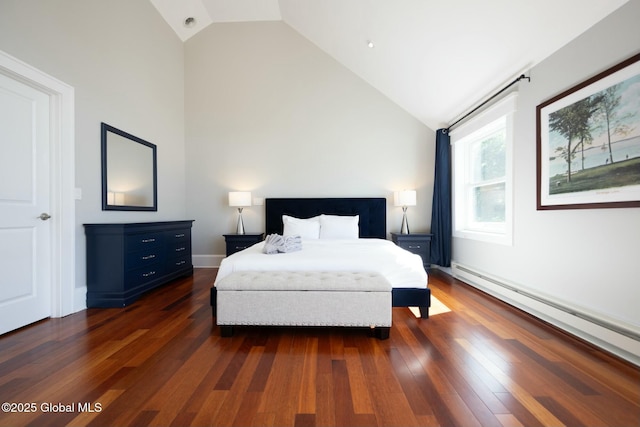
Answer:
(151, 273)
(148, 257)
(414, 247)
(148, 240)
(180, 249)
(179, 235)
(181, 262)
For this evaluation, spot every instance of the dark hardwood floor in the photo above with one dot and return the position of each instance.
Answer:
(161, 361)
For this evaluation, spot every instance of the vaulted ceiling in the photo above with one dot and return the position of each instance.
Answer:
(434, 58)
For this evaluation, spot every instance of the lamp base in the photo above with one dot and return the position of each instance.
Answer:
(240, 226)
(404, 229)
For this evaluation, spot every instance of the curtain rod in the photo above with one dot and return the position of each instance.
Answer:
(521, 77)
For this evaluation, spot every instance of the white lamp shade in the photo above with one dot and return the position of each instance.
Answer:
(404, 198)
(239, 198)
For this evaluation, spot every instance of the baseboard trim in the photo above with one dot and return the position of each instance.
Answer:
(207, 261)
(612, 335)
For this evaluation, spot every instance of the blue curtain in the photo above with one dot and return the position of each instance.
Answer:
(441, 211)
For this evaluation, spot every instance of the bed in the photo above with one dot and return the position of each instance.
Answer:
(370, 252)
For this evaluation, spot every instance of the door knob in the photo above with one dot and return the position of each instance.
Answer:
(44, 216)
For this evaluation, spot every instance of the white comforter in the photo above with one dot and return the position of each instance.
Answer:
(400, 267)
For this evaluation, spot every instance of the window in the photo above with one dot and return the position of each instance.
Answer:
(482, 175)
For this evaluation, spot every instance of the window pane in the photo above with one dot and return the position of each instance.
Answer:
(488, 156)
(482, 169)
(490, 203)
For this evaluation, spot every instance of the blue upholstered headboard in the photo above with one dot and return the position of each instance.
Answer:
(372, 211)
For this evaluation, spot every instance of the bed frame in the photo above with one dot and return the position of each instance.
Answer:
(373, 224)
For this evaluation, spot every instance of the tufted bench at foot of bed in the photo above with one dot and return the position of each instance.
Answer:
(310, 298)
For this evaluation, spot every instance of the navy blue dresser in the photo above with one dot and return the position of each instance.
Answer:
(125, 260)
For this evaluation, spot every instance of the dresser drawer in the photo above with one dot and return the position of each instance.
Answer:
(178, 249)
(143, 275)
(142, 241)
(176, 235)
(140, 259)
(232, 248)
(415, 247)
(178, 263)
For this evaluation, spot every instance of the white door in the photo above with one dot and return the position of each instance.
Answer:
(25, 245)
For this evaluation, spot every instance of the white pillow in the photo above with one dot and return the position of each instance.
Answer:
(339, 227)
(305, 228)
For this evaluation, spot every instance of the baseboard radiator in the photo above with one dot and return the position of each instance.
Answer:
(501, 290)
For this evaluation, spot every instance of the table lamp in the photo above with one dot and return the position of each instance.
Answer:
(404, 198)
(240, 199)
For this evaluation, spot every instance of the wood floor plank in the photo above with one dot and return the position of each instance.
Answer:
(247, 409)
(457, 360)
(138, 387)
(264, 419)
(603, 368)
(305, 420)
(564, 372)
(561, 413)
(517, 390)
(162, 361)
(211, 404)
(307, 392)
(357, 381)
(218, 360)
(174, 395)
(63, 381)
(598, 410)
(235, 404)
(518, 410)
(259, 380)
(508, 420)
(183, 419)
(85, 418)
(143, 418)
(325, 400)
(430, 386)
(471, 378)
(342, 393)
(410, 382)
(481, 402)
(282, 385)
(462, 414)
(231, 371)
(562, 381)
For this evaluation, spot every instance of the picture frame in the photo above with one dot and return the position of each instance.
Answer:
(588, 142)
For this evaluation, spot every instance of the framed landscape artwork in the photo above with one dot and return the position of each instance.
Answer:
(588, 142)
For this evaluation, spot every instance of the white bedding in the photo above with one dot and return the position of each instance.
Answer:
(400, 267)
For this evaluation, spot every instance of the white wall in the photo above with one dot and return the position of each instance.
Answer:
(268, 112)
(127, 68)
(587, 259)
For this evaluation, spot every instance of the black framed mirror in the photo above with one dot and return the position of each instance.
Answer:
(129, 172)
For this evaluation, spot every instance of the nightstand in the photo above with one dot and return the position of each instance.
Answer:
(238, 242)
(418, 243)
